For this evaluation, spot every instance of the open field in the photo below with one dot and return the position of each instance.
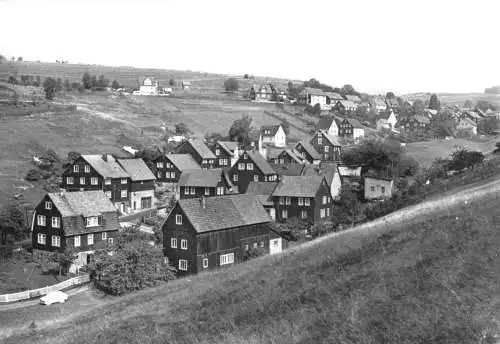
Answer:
(457, 98)
(425, 274)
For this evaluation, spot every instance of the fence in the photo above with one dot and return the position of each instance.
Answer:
(29, 294)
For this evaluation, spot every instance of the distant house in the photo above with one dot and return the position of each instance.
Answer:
(307, 152)
(251, 166)
(263, 191)
(379, 105)
(176, 139)
(350, 177)
(216, 232)
(430, 113)
(466, 124)
(313, 96)
(473, 115)
(142, 187)
(377, 188)
(387, 121)
(186, 85)
(199, 151)
(288, 170)
(99, 172)
(328, 124)
(207, 183)
(226, 152)
(332, 98)
(287, 157)
(262, 93)
(168, 167)
(392, 103)
(415, 126)
(82, 221)
(346, 106)
(353, 98)
(148, 87)
(328, 146)
(352, 128)
(306, 198)
(273, 135)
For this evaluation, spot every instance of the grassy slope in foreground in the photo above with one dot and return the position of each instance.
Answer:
(428, 278)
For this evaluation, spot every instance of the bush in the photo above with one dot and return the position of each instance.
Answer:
(33, 175)
(231, 85)
(50, 87)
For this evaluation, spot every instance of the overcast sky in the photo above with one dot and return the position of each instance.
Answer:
(375, 45)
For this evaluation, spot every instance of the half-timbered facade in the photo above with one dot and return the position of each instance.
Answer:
(251, 166)
(328, 146)
(351, 128)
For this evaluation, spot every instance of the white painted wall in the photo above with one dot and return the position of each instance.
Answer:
(136, 197)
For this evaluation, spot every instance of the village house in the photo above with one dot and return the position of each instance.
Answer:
(286, 157)
(328, 146)
(207, 183)
(288, 170)
(82, 221)
(328, 124)
(262, 93)
(142, 186)
(216, 232)
(226, 152)
(352, 128)
(377, 187)
(388, 120)
(392, 103)
(353, 98)
(430, 113)
(307, 152)
(313, 96)
(186, 85)
(332, 98)
(306, 198)
(473, 115)
(168, 167)
(414, 126)
(331, 174)
(99, 172)
(148, 87)
(379, 105)
(350, 177)
(199, 151)
(273, 135)
(346, 106)
(467, 126)
(263, 191)
(251, 166)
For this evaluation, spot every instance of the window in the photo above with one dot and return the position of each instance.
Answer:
(108, 194)
(256, 178)
(186, 190)
(183, 264)
(220, 190)
(205, 263)
(322, 213)
(48, 205)
(69, 180)
(383, 189)
(56, 241)
(123, 193)
(284, 214)
(159, 164)
(282, 200)
(77, 241)
(41, 239)
(261, 244)
(307, 201)
(40, 220)
(250, 166)
(184, 244)
(207, 191)
(241, 166)
(124, 181)
(192, 190)
(76, 168)
(227, 258)
(324, 199)
(245, 156)
(303, 214)
(327, 211)
(255, 245)
(158, 175)
(372, 188)
(90, 239)
(87, 168)
(326, 149)
(56, 222)
(222, 162)
(320, 140)
(247, 247)
(82, 180)
(300, 201)
(110, 240)
(235, 177)
(172, 175)
(93, 180)
(204, 162)
(173, 242)
(178, 219)
(168, 165)
(104, 236)
(92, 221)
(217, 152)
(146, 202)
(107, 181)
(288, 201)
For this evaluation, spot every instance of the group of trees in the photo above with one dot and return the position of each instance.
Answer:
(231, 85)
(91, 82)
(241, 130)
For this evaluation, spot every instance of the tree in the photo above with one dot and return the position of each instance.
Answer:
(377, 155)
(483, 105)
(67, 85)
(245, 76)
(33, 175)
(115, 85)
(59, 85)
(182, 129)
(211, 138)
(241, 130)
(148, 155)
(38, 81)
(1, 58)
(171, 82)
(349, 207)
(93, 82)
(87, 81)
(418, 106)
(488, 126)
(101, 83)
(463, 158)
(390, 95)
(20, 59)
(50, 88)
(231, 85)
(12, 80)
(12, 225)
(434, 103)
(348, 89)
(468, 104)
(64, 259)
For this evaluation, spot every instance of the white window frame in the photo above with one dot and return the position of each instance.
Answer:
(192, 190)
(90, 239)
(226, 259)
(220, 190)
(77, 241)
(320, 140)
(327, 212)
(159, 164)
(250, 166)
(158, 174)
(123, 193)
(207, 191)
(217, 151)
(55, 222)
(324, 200)
(94, 181)
(261, 244)
(307, 201)
(104, 235)
(282, 200)
(168, 165)
(123, 181)
(82, 180)
(284, 214)
(178, 219)
(205, 263)
(107, 181)
(303, 214)
(184, 244)
(76, 168)
(204, 162)
(110, 240)
(42, 239)
(241, 166)
(288, 200)
(322, 213)
(186, 190)
(92, 221)
(300, 201)
(235, 177)
(108, 194)
(183, 264)
(327, 149)
(41, 220)
(69, 180)
(255, 177)
(56, 241)
(173, 242)
(87, 168)
(48, 205)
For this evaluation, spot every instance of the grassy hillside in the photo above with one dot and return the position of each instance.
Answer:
(428, 274)
(457, 98)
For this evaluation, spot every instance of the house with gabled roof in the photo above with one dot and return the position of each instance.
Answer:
(286, 157)
(328, 124)
(387, 120)
(148, 87)
(263, 192)
(330, 172)
(273, 135)
(226, 152)
(202, 234)
(328, 146)
(351, 177)
(99, 172)
(346, 106)
(142, 186)
(168, 167)
(307, 198)
(288, 170)
(376, 187)
(262, 93)
(207, 183)
(352, 128)
(332, 98)
(379, 105)
(199, 151)
(414, 126)
(313, 96)
(82, 221)
(466, 124)
(307, 152)
(353, 97)
(251, 166)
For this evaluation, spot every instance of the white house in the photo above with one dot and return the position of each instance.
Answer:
(466, 123)
(379, 105)
(387, 121)
(273, 135)
(315, 96)
(329, 124)
(149, 87)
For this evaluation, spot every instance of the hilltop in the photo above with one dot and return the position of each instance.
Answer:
(457, 98)
(425, 274)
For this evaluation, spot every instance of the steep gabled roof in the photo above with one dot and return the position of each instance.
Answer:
(355, 123)
(183, 162)
(260, 162)
(309, 149)
(137, 169)
(468, 121)
(334, 95)
(224, 212)
(325, 122)
(313, 91)
(228, 146)
(288, 170)
(82, 203)
(262, 190)
(352, 97)
(292, 155)
(333, 140)
(272, 128)
(298, 186)
(326, 170)
(107, 169)
(203, 178)
(201, 148)
(347, 103)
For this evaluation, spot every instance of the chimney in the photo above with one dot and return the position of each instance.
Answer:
(203, 202)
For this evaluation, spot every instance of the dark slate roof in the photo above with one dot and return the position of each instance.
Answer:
(260, 162)
(333, 140)
(107, 169)
(273, 152)
(137, 169)
(313, 91)
(203, 178)
(355, 123)
(228, 146)
(326, 170)
(224, 212)
(288, 170)
(325, 123)
(333, 95)
(298, 186)
(262, 190)
(201, 148)
(310, 149)
(272, 128)
(183, 161)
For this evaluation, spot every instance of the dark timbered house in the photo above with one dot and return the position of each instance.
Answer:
(207, 183)
(142, 186)
(226, 152)
(307, 152)
(251, 166)
(199, 151)
(328, 146)
(168, 167)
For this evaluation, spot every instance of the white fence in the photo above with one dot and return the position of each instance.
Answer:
(29, 294)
